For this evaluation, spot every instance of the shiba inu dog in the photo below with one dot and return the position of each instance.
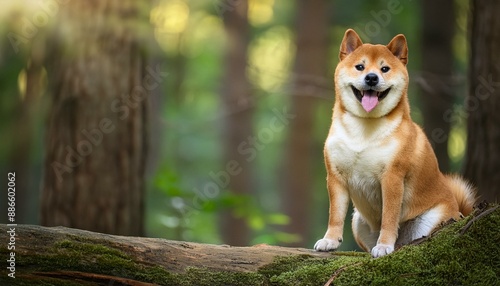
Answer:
(379, 158)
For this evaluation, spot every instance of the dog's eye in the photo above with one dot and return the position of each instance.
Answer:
(385, 69)
(359, 67)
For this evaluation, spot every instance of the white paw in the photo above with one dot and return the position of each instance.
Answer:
(382, 249)
(327, 244)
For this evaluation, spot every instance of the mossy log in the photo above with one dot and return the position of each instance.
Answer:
(466, 252)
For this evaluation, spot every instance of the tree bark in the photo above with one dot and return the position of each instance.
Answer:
(96, 137)
(238, 108)
(482, 161)
(61, 256)
(308, 73)
(436, 85)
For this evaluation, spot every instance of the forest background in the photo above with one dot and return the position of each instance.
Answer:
(201, 120)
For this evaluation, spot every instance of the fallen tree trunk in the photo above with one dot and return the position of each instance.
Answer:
(462, 253)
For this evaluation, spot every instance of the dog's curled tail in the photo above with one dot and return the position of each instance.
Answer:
(464, 193)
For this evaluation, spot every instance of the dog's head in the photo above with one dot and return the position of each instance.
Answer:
(371, 79)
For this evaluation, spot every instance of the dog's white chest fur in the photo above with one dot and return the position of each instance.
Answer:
(359, 149)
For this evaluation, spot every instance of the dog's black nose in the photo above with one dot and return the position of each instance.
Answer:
(371, 79)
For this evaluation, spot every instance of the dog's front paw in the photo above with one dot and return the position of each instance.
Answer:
(326, 244)
(382, 249)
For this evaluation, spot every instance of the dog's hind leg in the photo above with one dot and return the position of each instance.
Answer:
(423, 224)
(364, 236)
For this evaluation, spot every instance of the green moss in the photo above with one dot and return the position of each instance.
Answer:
(93, 258)
(284, 264)
(306, 270)
(287, 270)
(207, 277)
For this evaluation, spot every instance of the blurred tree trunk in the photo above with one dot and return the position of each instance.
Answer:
(238, 108)
(436, 86)
(96, 138)
(309, 70)
(482, 161)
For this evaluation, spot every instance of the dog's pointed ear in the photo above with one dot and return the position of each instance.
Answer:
(350, 42)
(399, 48)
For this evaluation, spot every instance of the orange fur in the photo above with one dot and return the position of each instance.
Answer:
(381, 159)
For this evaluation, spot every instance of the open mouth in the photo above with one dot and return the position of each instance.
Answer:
(369, 98)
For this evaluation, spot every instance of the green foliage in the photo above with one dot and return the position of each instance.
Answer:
(198, 222)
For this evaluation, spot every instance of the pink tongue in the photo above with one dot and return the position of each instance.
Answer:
(369, 100)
